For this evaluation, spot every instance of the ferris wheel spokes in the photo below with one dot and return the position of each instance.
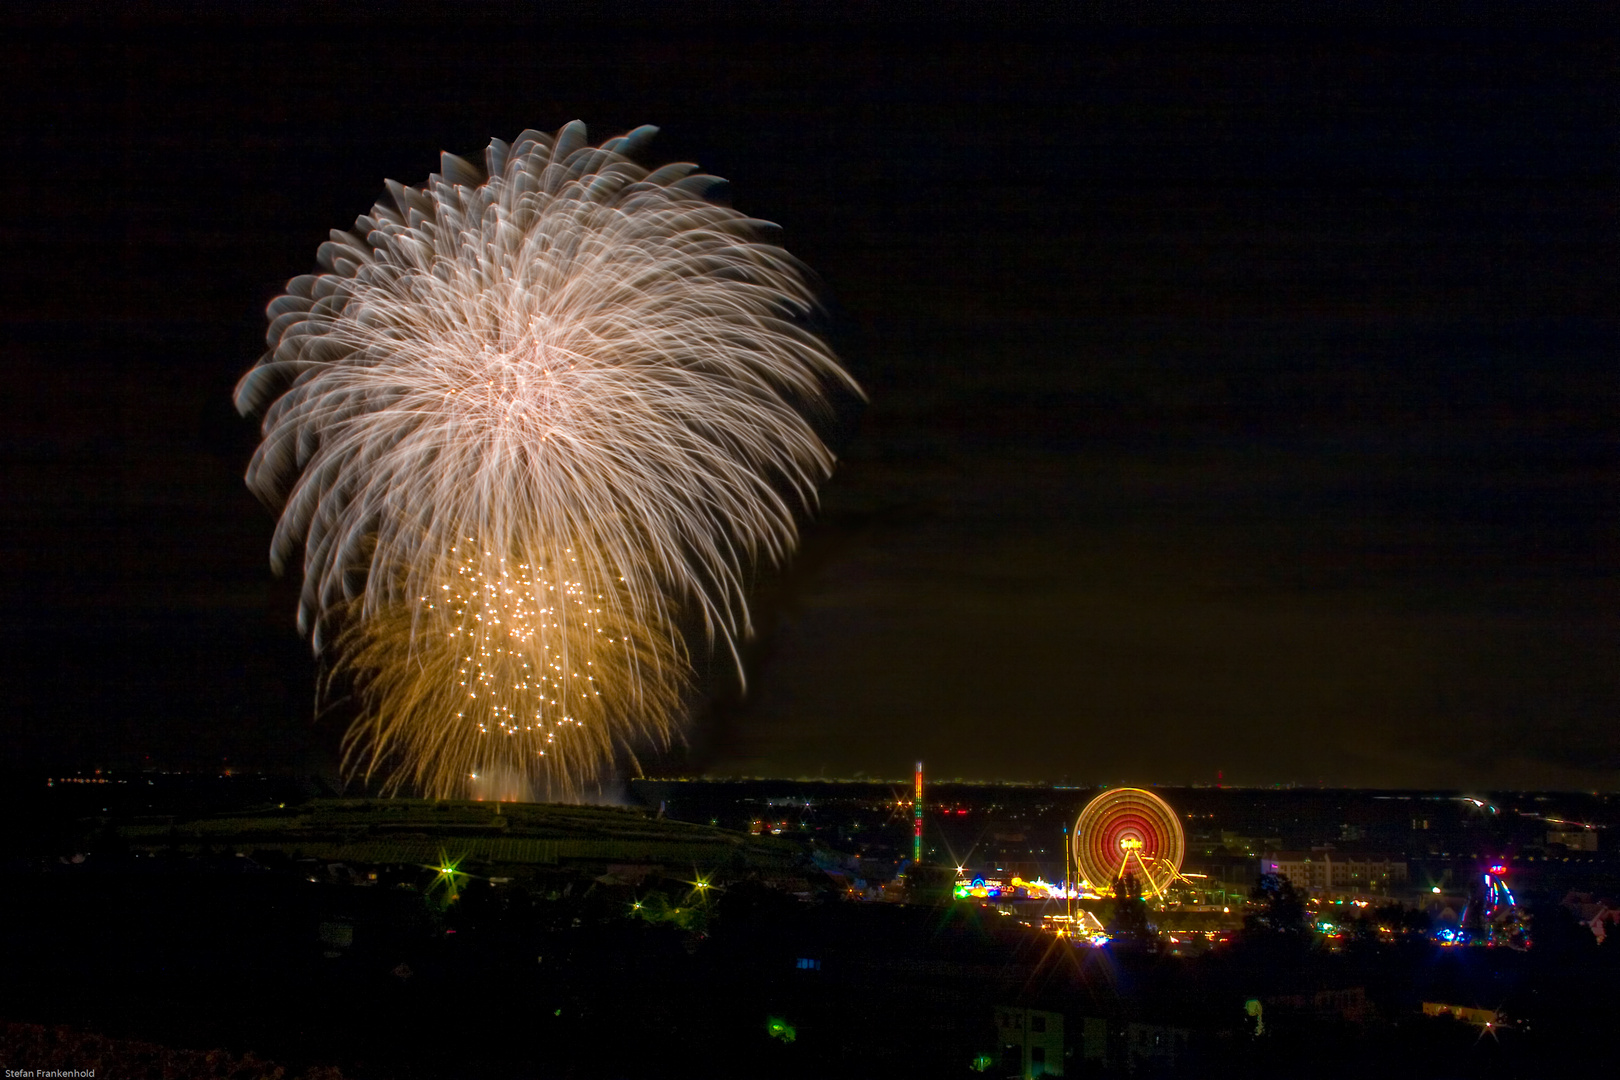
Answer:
(1125, 830)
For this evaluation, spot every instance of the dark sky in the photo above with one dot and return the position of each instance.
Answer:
(1241, 399)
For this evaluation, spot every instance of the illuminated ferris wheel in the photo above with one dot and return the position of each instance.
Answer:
(1129, 831)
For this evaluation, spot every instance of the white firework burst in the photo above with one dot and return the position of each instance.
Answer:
(524, 419)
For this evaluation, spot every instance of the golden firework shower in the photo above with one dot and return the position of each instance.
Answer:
(525, 420)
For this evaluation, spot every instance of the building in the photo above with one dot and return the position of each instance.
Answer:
(1573, 839)
(1155, 1049)
(1323, 871)
(1346, 1003)
(1037, 1042)
(1031, 1041)
(1468, 1014)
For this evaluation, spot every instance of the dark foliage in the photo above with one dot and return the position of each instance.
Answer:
(1282, 916)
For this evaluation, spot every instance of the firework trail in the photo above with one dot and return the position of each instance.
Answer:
(528, 421)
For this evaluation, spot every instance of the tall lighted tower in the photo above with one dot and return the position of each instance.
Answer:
(916, 820)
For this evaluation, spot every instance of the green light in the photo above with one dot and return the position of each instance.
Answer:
(982, 1063)
(778, 1028)
(448, 876)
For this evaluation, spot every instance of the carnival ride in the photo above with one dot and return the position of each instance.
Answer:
(1496, 897)
(1128, 831)
(1491, 915)
(1498, 920)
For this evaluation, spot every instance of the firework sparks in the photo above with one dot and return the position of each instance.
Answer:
(524, 419)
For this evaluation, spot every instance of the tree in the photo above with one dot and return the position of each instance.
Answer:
(1283, 915)
(1129, 924)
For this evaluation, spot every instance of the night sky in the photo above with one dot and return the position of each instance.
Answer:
(1242, 399)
